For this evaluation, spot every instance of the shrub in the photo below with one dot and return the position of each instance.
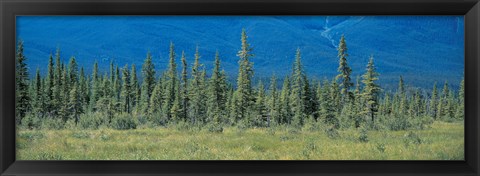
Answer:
(52, 123)
(397, 123)
(159, 119)
(311, 125)
(215, 128)
(421, 122)
(363, 135)
(91, 121)
(123, 122)
(332, 133)
(70, 124)
(81, 135)
(381, 147)
(181, 125)
(31, 121)
(411, 138)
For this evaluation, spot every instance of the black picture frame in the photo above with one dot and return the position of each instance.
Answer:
(9, 9)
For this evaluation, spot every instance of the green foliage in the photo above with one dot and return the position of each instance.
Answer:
(332, 133)
(22, 98)
(67, 98)
(411, 138)
(31, 121)
(91, 121)
(123, 122)
(344, 71)
(363, 134)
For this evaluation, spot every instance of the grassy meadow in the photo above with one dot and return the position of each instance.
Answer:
(442, 141)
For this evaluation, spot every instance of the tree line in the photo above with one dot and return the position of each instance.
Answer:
(192, 97)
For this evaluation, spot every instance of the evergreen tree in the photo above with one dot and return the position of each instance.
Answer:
(22, 97)
(451, 105)
(442, 104)
(184, 89)
(105, 104)
(125, 95)
(244, 96)
(148, 73)
(434, 101)
(344, 72)
(83, 90)
(309, 99)
(460, 114)
(38, 103)
(49, 86)
(171, 83)
(260, 105)
(73, 71)
(117, 85)
(74, 104)
(371, 90)
(135, 93)
(403, 107)
(156, 100)
(57, 91)
(96, 87)
(336, 97)
(273, 102)
(195, 90)
(217, 91)
(285, 108)
(297, 92)
(64, 111)
(176, 110)
(327, 111)
(358, 105)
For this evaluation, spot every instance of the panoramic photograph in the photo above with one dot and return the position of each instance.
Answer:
(239, 88)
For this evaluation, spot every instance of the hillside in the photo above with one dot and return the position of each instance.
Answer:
(423, 49)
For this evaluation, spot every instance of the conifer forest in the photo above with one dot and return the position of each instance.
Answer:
(190, 111)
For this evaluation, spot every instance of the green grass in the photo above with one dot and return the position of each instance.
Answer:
(444, 141)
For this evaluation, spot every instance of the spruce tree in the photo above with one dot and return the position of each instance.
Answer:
(184, 89)
(74, 103)
(64, 111)
(176, 110)
(273, 102)
(96, 87)
(402, 96)
(285, 104)
(244, 97)
(135, 93)
(327, 111)
(57, 91)
(297, 92)
(195, 90)
(260, 105)
(171, 83)
(73, 71)
(344, 72)
(434, 101)
(83, 90)
(22, 97)
(216, 91)
(442, 104)
(49, 86)
(37, 100)
(460, 114)
(156, 100)
(371, 90)
(148, 74)
(125, 95)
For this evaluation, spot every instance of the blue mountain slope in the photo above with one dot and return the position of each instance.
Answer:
(423, 49)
